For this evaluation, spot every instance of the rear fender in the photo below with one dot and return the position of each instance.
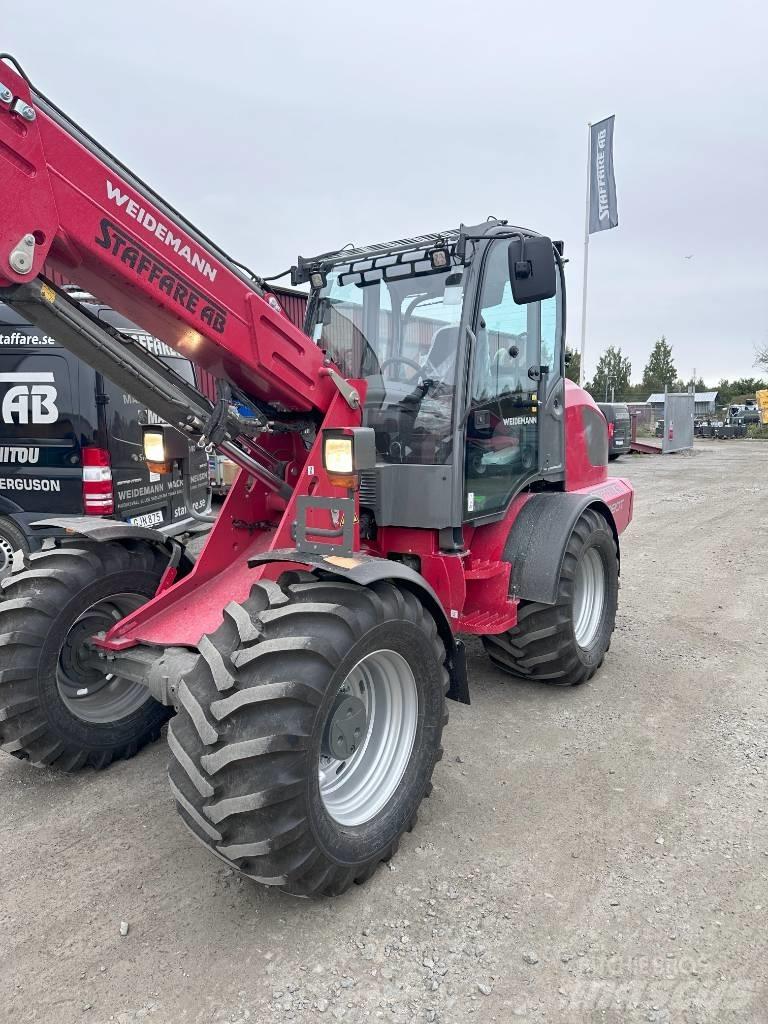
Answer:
(538, 538)
(365, 570)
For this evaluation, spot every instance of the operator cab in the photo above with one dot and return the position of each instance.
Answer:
(462, 362)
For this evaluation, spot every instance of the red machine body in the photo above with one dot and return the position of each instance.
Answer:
(91, 220)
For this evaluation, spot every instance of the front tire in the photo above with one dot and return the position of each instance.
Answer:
(564, 644)
(300, 684)
(54, 708)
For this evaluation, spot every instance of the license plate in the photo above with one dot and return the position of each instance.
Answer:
(617, 443)
(148, 519)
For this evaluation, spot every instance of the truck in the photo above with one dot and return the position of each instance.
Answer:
(78, 450)
(306, 657)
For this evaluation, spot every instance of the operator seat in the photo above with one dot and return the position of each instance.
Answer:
(441, 359)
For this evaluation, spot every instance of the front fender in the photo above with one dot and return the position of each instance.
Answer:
(100, 531)
(365, 570)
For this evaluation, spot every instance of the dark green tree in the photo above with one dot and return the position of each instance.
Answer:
(573, 364)
(611, 376)
(724, 391)
(660, 370)
(736, 391)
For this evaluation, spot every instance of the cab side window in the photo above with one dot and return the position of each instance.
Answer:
(502, 431)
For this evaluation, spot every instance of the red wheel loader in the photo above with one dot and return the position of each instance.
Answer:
(414, 467)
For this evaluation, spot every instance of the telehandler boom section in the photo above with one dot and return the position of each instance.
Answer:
(414, 466)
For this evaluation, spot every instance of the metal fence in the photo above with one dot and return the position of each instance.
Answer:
(678, 422)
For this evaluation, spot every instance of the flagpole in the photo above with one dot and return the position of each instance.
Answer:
(586, 262)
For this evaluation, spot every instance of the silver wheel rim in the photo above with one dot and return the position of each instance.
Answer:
(93, 696)
(356, 790)
(588, 597)
(6, 556)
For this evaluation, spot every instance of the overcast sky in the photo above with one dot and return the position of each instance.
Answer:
(291, 128)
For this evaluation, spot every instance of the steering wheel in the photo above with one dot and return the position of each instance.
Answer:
(399, 359)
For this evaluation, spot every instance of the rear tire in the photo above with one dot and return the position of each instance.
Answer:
(54, 710)
(11, 540)
(250, 765)
(564, 644)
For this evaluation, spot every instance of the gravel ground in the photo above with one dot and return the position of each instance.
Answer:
(598, 854)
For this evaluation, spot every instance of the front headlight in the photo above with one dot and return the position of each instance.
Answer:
(346, 452)
(154, 446)
(338, 455)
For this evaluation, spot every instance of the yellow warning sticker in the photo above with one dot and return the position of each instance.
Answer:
(47, 293)
(343, 563)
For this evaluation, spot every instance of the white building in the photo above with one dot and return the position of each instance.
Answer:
(704, 404)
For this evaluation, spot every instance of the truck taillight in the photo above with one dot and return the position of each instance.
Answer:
(611, 428)
(98, 496)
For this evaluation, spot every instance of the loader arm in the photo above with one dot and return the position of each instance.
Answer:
(69, 202)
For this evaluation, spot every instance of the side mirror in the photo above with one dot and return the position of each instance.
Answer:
(532, 271)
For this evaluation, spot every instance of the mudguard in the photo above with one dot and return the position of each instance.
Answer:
(538, 538)
(99, 530)
(365, 570)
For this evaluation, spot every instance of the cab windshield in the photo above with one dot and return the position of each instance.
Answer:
(398, 328)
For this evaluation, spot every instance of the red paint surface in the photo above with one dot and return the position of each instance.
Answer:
(182, 613)
(294, 305)
(579, 471)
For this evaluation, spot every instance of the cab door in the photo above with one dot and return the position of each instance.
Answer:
(515, 416)
(552, 385)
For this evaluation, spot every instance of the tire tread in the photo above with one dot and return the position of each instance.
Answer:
(32, 597)
(258, 683)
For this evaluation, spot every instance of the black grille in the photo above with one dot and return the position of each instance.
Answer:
(368, 488)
